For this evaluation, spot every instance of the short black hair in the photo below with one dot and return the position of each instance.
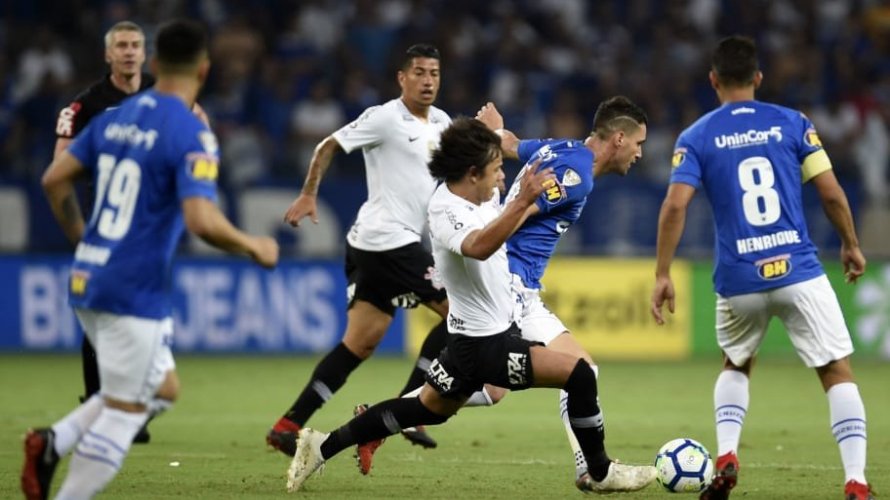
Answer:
(617, 113)
(180, 42)
(464, 144)
(419, 50)
(735, 61)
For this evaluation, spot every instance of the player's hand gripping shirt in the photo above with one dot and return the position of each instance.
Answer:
(146, 156)
(751, 159)
(396, 146)
(532, 245)
(480, 297)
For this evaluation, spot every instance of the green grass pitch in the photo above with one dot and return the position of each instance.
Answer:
(515, 450)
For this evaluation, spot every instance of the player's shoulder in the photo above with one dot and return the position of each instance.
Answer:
(438, 115)
(95, 92)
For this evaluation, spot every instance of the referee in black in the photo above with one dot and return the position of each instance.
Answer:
(125, 55)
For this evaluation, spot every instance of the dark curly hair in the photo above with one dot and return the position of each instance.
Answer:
(466, 143)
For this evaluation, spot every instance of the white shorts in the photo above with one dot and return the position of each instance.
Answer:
(809, 310)
(133, 353)
(537, 323)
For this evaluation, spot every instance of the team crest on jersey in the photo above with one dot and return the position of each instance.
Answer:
(774, 267)
(553, 191)
(203, 167)
(208, 140)
(570, 178)
(812, 138)
(78, 282)
(679, 156)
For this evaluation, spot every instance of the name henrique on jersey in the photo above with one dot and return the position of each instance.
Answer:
(747, 156)
(146, 156)
(560, 205)
(480, 296)
(397, 147)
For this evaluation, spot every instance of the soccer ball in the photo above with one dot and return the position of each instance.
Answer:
(684, 465)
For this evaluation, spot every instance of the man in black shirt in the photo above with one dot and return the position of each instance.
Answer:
(125, 55)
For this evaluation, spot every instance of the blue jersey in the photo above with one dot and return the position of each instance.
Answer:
(532, 245)
(747, 156)
(146, 156)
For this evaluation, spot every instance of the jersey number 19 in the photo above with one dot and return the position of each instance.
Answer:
(118, 185)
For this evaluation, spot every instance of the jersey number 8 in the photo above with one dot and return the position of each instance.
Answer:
(118, 185)
(760, 201)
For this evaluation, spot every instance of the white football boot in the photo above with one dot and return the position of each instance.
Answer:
(621, 477)
(307, 458)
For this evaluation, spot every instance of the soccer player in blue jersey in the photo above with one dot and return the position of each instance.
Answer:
(616, 142)
(155, 168)
(751, 158)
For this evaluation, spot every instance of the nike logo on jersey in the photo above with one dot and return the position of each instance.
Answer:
(412, 139)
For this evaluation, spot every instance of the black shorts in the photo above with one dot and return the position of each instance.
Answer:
(401, 277)
(467, 363)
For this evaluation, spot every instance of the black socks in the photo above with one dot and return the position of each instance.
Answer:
(329, 376)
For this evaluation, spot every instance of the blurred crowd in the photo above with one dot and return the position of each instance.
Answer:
(288, 72)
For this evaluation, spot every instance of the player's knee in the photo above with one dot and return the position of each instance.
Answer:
(169, 389)
(581, 380)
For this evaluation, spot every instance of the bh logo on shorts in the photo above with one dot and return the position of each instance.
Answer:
(516, 362)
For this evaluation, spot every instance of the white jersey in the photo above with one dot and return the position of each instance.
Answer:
(397, 147)
(481, 300)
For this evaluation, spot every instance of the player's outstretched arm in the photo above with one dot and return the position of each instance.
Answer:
(671, 221)
(837, 209)
(491, 117)
(204, 219)
(483, 243)
(58, 184)
(305, 204)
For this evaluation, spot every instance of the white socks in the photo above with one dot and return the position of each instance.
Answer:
(479, 398)
(100, 453)
(730, 408)
(69, 430)
(848, 428)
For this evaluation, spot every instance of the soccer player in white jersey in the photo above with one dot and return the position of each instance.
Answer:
(614, 144)
(386, 265)
(155, 169)
(751, 159)
(468, 233)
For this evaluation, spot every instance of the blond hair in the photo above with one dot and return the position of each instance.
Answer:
(122, 26)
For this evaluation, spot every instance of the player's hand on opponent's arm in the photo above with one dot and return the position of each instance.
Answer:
(535, 181)
(264, 251)
(853, 262)
(304, 206)
(664, 292)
